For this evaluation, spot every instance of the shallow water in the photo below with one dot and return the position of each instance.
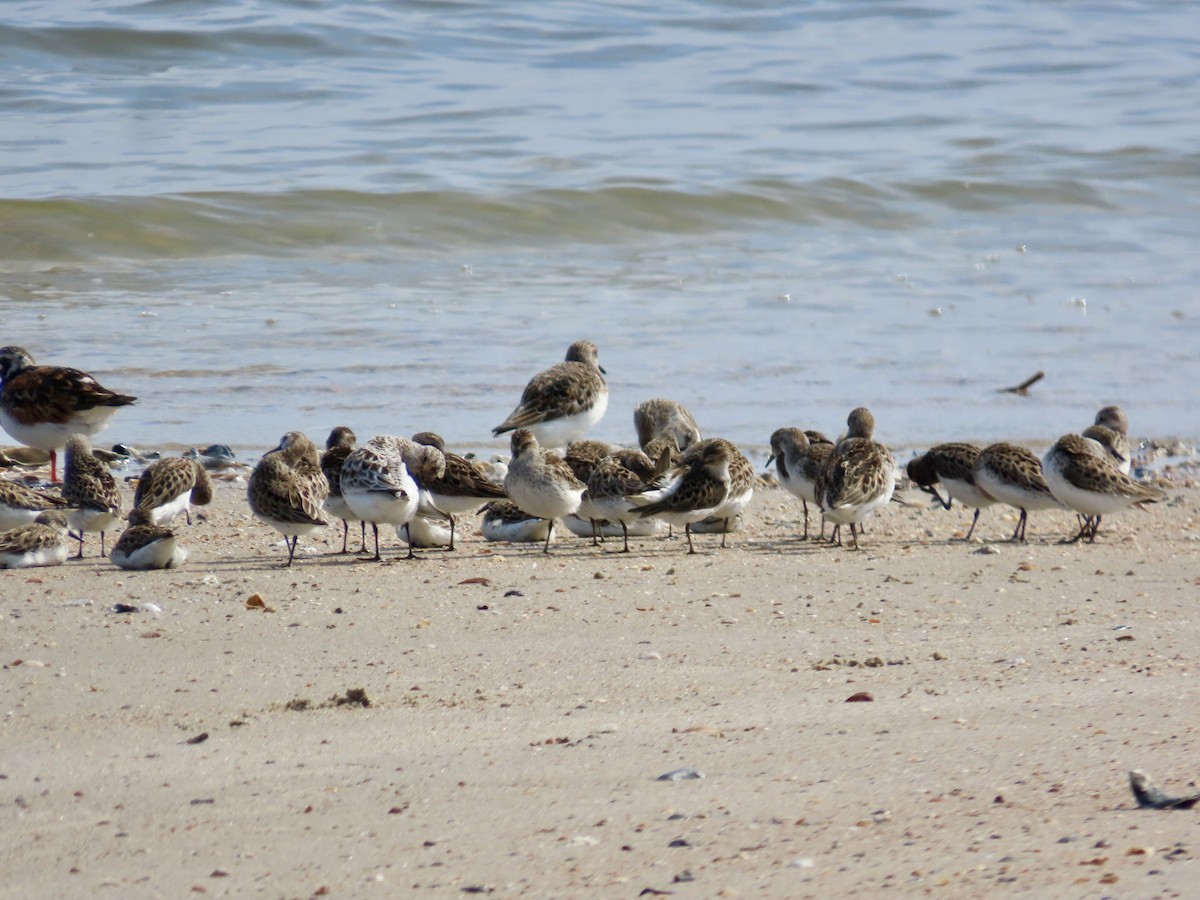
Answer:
(263, 216)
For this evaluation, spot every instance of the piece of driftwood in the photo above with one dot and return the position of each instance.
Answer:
(1149, 796)
(1022, 389)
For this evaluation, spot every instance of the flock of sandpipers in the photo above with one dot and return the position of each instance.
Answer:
(675, 478)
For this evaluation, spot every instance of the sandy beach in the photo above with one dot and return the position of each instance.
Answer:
(496, 721)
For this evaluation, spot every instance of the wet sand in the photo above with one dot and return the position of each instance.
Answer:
(522, 708)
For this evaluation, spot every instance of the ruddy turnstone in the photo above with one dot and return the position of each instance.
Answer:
(562, 403)
(540, 482)
(287, 488)
(859, 476)
(461, 488)
(1083, 477)
(380, 482)
(1111, 431)
(1013, 475)
(799, 457)
(20, 505)
(42, 542)
(338, 446)
(171, 486)
(691, 492)
(144, 545)
(953, 466)
(659, 416)
(503, 520)
(42, 406)
(90, 489)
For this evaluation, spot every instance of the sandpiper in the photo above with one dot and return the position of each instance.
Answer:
(799, 457)
(564, 402)
(691, 492)
(1083, 477)
(859, 476)
(1111, 431)
(953, 466)
(42, 542)
(144, 545)
(287, 488)
(20, 505)
(338, 446)
(741, 484)
(461, 488)
(170, 486)
(540, 482)
(1013, 475)
(503, 520)
(380, 482)
(660, 416)
(90, 489)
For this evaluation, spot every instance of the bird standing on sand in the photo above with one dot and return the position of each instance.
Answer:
(1013, 475)
(1083, 477)
(338, 446)
(287, 488)
(169, 487)
(42, 406)
(741, 483)
(859, 476)
(691, 492)
(540, 482)
(461, 488)
(564, 402)
(380, 482)
(799, 457)
(91, 491)
(953, 465)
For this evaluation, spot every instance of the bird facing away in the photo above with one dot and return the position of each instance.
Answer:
(287, 489)
(170, 486)
(540, 482)
(859, 476)
(42, 406)
(953, 466)
(91, 491)
(691, 492)
(381, 481)
(1083, 477)
(461, 488)
(564, 402)
(338, 446)
(1013, 475)
(659, 416)
(42, 542)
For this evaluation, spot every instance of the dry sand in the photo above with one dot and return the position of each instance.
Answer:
(522, 707)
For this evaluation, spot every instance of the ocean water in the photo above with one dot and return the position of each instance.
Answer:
(266, 216)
